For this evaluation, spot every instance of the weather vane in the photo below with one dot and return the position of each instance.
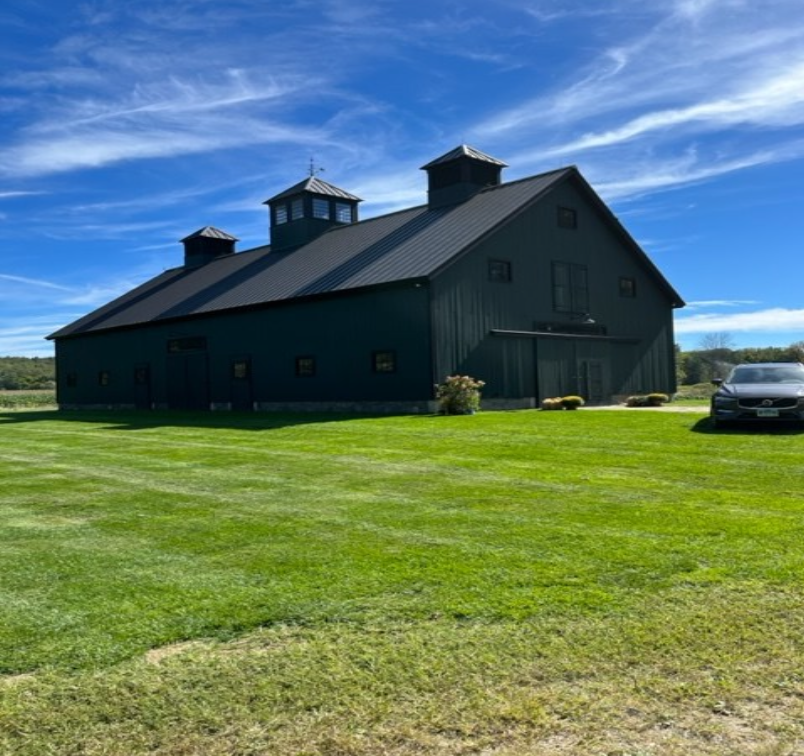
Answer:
(314, 169)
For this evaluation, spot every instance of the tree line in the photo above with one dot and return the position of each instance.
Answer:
(26, 373)
(716, 357)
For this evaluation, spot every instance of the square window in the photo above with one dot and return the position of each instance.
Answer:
(627, 287)
(241, 370)
(567, 217)
(305, 367)
(384, 361)
(499, 270)
(321, 208)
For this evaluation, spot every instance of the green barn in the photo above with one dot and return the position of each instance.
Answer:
(532, 286)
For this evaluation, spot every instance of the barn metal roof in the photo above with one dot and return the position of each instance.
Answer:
(410, 244)
(314, 185)
(210, 232)
(464, 150)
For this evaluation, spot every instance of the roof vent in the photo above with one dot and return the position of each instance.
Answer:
(307, 210)
(460, 174)
(206, 244)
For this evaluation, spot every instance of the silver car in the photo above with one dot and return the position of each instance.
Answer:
(765, 391)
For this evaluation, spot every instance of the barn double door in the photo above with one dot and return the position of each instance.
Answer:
(573, 366)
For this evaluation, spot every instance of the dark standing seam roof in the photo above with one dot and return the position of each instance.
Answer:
(400, 246)
(314, 185)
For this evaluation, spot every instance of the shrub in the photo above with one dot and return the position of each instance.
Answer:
(459, 395)
(572, 402)
(647, 400)
(554, 403)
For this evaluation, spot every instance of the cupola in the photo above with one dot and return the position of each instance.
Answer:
(206, 244)
(307, 210)
(460, 174)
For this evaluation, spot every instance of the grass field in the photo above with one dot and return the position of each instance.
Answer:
(620, 583)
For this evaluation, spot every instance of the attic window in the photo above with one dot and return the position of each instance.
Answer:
(321, 208)
(567, 217)
(297, 209)
(570, 288)
(627, 287)
(500, 271)
(281, 214)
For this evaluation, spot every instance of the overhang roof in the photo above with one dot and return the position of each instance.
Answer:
(407, 245)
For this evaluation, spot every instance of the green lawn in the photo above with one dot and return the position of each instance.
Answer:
(588, 582)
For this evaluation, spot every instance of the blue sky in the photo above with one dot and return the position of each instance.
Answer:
(128, 125)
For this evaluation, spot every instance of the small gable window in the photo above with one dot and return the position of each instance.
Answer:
(305, 366)
(383, 361)
(280, 214)
(567, 217)
(297, 209)
(499, 271)
(627, 287)
(320, 208)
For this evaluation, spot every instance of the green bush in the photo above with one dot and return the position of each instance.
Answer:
(459, 395)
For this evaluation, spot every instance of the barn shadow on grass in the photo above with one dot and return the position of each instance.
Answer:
(122, 420)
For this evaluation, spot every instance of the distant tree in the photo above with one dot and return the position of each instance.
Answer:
(712, 341)
(797, 351)
(18, 373)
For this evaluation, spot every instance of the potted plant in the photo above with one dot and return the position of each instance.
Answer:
(459, 395)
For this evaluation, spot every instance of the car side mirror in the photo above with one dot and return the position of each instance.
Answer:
(717, 381)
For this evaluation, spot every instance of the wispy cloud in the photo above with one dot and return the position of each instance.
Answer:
(13, 195)
(758, 321)
(35, 282)
(704, 303)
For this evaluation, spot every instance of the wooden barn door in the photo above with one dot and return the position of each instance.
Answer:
(242, 392)
(188, 381)
(142, 387)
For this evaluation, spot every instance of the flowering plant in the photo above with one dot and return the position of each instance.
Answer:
(459, 394)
